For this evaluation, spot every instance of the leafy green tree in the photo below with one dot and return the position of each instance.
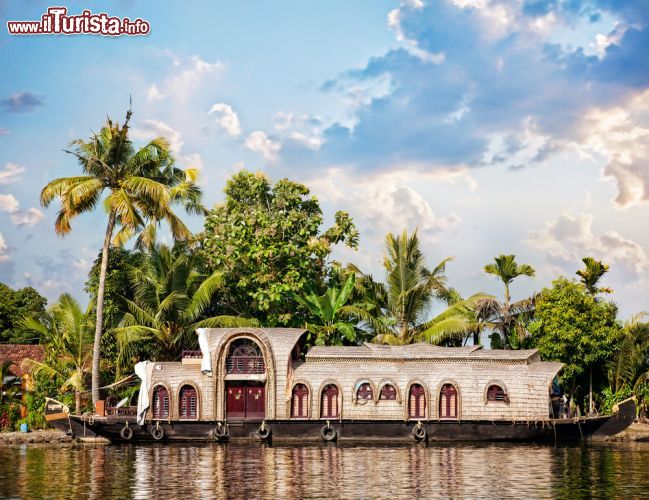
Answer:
(403, 302)
(333, 319)
(143, 187)
(14, 305)
(171, 296)
(66, 332)
(265, 239)
(629, 370)
(117, 289)
(573, 328)
(509, 319)
(591, 274)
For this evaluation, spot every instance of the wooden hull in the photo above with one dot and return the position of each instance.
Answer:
(305, 431)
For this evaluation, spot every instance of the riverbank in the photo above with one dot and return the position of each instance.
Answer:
(637, 431)
(39, 436)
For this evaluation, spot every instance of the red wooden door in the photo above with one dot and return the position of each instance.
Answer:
(448, 402)
(236, 400)
(255, 401)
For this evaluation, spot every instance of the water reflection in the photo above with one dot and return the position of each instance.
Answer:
(262, 471)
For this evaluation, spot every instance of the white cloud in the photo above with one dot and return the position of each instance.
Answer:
(226, 118)
(150, 129)
(569, 238)
(621, 134)
(30, 217)
(386, 202)
(410, 44)
(11, 173)
(8, 203)
(304, 129)
(4, 256)
(154, 93)
(261, 144)
(185, 77)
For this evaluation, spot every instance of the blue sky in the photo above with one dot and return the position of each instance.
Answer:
(492, 126)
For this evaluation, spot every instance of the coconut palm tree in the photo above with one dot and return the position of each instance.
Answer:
(509, 319)
(171, 297)
(142, 186)
(66, 331)
(591, 274)
(403, 303)
(333, 319)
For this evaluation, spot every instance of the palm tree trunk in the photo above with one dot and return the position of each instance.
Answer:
(590, 392)
(77, 402)
(99, 326)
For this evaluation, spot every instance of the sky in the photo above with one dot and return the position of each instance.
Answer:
(517, 127)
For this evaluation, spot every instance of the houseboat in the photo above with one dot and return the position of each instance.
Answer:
(259, 384)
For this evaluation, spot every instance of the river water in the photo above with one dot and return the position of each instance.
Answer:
(327, 471)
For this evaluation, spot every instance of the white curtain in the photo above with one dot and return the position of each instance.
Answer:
(143, 370)
(206, 364)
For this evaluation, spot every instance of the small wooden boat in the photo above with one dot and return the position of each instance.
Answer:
(257, 384)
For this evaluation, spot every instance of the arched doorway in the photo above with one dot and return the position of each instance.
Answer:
(245, 386)
(329, 402)
(448, 401)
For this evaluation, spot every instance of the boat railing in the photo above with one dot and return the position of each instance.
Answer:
(245, 365)
(192, 354)
(122, 411)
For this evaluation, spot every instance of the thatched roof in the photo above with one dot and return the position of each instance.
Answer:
(17, 352)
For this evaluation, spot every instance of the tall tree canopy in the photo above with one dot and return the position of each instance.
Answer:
(593, 271)
(508, 319)
(267, 242)
(575, 329)
(15, 305)
(142, 186)
(403, 302)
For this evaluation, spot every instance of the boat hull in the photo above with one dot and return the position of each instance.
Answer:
(305, 431)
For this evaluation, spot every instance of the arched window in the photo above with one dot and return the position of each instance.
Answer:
(365, 393)
(245, 358)
(329, 402)
(188, 402)
(160, 402)
(300, 401)
(496, 393)
(448, 401)
(417, 402)
(388, 393)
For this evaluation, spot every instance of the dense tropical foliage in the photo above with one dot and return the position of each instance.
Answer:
(264, 258)
(266, 241)
(142, 186)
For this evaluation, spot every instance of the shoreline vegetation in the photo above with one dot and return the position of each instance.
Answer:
(264, 259)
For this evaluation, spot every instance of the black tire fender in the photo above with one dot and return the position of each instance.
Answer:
(264, 432)
(419, 432)
(126, 433)
(220, 432)
(329, 433)
(157, 433)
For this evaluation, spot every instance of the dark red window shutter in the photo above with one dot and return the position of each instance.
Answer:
(417, 401)
(188, 402)
(448, 401)
(365, 393)
(299, 401)
(329, 402)
(388, 392)
(496, 393)
(160, 402)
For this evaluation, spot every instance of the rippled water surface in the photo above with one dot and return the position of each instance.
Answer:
(260, 471)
